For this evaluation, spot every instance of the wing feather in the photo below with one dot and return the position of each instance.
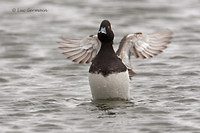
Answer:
(84, 60)
(75, 56)
(143, 45)
(92, 55)
(81, 50)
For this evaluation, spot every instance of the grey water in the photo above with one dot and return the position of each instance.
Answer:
(41, 91)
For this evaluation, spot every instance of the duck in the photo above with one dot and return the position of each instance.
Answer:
(110, 72)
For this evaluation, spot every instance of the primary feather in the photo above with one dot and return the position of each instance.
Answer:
(143, 46)
(81, 50)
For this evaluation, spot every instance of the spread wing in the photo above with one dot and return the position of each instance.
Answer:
(81, 50)
(142, 46)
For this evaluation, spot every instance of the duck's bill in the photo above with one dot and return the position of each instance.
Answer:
(103, 30)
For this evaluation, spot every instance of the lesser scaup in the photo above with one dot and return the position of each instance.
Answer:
(110, 71)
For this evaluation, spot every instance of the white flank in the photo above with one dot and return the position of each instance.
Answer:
(113, 86)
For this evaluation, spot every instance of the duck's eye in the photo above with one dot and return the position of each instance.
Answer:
(108, 27)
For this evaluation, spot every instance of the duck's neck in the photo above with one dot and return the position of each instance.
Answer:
(106, 48)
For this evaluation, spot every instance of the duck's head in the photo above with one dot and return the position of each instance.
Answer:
(105, 33)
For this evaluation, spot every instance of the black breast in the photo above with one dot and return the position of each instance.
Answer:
(106, 62)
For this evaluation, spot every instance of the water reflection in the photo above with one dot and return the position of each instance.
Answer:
(112, 104)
